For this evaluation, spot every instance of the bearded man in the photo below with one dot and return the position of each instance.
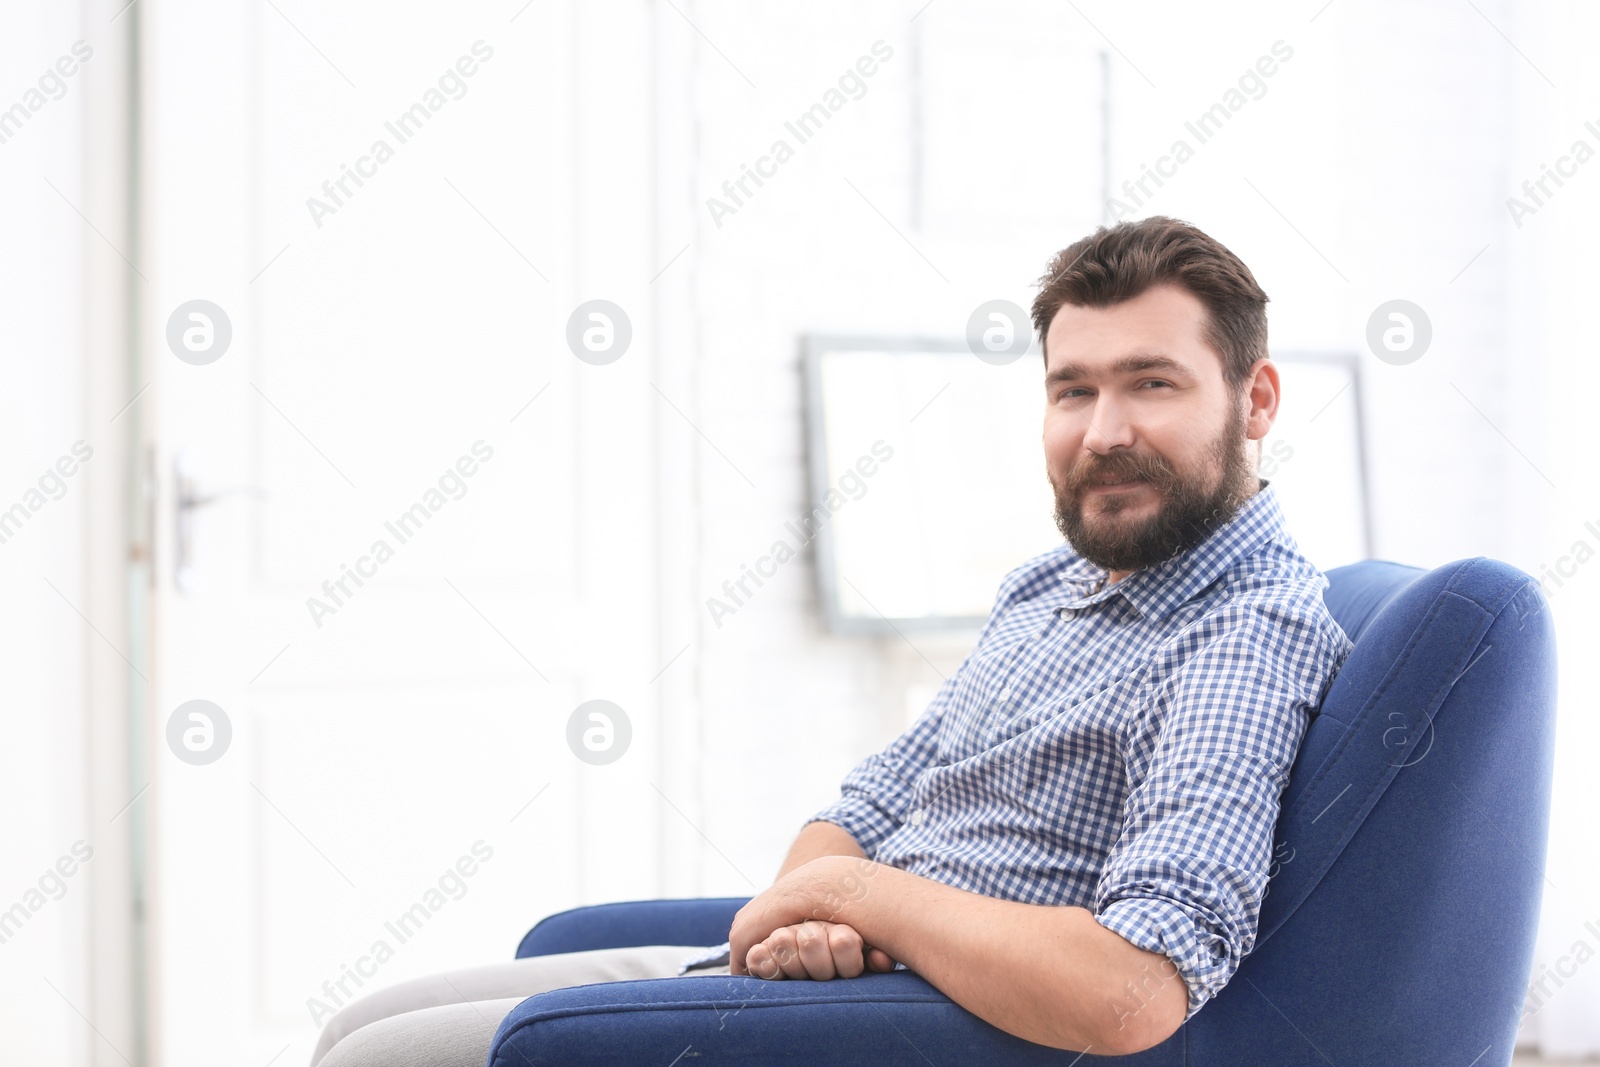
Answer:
(1073, 841)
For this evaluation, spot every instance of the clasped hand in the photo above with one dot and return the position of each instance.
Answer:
(779, 933)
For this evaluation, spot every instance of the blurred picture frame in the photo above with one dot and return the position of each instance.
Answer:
(926, 479)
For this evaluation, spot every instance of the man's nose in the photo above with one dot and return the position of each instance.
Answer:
(1108, 425)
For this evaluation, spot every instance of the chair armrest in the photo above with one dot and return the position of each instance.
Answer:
(887, 1020)
(697, 921)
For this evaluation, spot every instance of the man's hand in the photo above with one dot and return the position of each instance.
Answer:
(815, 949)
(1047, 973)
(807, 900)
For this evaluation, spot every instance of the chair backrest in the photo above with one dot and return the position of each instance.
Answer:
(1399, 923)
(1356, 593)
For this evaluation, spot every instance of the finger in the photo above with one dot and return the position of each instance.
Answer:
(879, 960)
(845, 945)
(781, 943)
(811, 938)
(741, 939)
(760, 963)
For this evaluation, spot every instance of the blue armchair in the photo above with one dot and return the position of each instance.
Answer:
(1398, 927)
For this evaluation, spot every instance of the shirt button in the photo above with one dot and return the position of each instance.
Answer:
(1005, 694)
(918, 817)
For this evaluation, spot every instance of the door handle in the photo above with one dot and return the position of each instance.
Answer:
(189, 496)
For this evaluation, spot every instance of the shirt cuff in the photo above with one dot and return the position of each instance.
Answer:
(865, 821)
(714, 954)
(1205, 958)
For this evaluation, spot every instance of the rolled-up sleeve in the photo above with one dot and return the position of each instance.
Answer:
(1206, 768)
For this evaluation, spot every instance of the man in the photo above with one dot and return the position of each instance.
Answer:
(1074, 839)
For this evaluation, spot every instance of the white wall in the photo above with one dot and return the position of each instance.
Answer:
(1550, 345)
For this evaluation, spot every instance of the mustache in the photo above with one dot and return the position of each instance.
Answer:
(1119, 466)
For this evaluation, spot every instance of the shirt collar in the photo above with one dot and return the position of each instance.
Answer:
(1157, 591)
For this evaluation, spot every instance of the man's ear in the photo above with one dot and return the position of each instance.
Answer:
(1261, 394)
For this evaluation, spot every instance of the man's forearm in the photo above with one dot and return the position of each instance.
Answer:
(816, 839)
(1049, 974)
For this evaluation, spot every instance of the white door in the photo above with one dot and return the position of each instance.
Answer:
(378, 579)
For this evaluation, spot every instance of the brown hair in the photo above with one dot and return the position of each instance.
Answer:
(1117, 263)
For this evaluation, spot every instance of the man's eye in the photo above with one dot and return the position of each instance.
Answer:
(1069, 393)
(1156, 381)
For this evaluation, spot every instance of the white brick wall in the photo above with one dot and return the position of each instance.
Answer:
(1374, 146)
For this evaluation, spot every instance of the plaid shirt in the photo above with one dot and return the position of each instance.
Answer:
(1121, 749)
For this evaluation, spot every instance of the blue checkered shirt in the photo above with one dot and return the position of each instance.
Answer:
(1119, 748)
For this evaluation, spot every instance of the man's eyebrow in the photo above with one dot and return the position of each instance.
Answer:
(1070, 372)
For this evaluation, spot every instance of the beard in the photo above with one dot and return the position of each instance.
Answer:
(1109, 537)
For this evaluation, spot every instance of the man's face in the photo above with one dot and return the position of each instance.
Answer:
(1134, 395)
